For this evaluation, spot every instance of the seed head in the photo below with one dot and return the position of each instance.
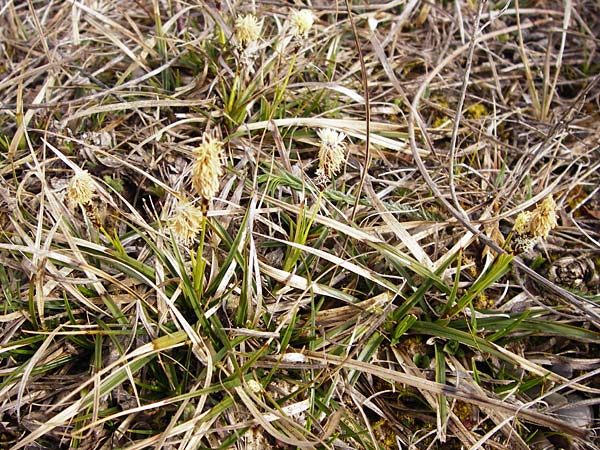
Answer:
(331, 154)
(207, 169)
(186, 223)
(81, 189)
(247, 30)
(301, 22)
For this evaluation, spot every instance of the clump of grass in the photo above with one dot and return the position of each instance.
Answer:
(257, 266)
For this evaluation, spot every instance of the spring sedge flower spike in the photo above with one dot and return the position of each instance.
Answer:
(207, 168)
(247, 30)
(530, 226)
(522, 221)
(186, 223)
(543, 219)
(301, 22)
(81, 189)
(331, 154)
(255, 386)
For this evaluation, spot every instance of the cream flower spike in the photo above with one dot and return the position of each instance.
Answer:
(301, 22)
(332, 154)
(186, 223)
(522, 221)
(544, 218)
(207, 169)
(530, 226)
(247, 30)
(81, 189)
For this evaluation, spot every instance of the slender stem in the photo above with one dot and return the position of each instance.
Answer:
(363, 70)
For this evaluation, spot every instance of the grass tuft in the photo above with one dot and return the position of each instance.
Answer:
(258, 225)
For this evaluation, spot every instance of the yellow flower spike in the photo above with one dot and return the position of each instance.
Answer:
(301, 22)
(186, 223)
(81, 189)
(247, 30)
(332, 153)
(522, 221)
(539, 222)
(529, 226)
(207, 168)
(544, 218)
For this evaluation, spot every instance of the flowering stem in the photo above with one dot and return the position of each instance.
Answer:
(318, 204)
(198, 266)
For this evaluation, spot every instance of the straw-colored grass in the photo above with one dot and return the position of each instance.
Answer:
(380, 302)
